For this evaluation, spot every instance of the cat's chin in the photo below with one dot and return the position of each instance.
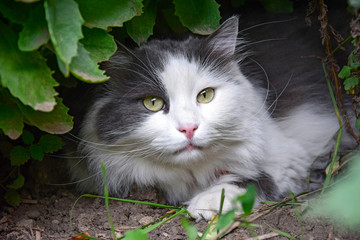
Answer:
(191, 152)
(189, 148)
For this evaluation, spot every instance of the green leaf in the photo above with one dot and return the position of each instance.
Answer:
(35, 31)
(36, 152)
(345, 72)
(135, 235)
(55, 122)
(140, 28)
(191, 230)
(355, 65)
(225, 220)
(357, 123)
(354, 3)
(173, 21)
(19, 155)
(64, 23)
(18, 182)
(342, 203)
(109, 13)
(248, 199)
(100, 45)
(278, 6)
(50, 143)
(11, 119)
(12, 197)
(85, 68)
(25, 74)
(351, 82)
(15, 11)
(96, 46)
(27, 137)
(200, 16)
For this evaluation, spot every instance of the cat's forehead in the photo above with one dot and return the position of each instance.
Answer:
(179, 74)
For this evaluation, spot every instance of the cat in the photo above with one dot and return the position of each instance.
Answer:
(189, 118)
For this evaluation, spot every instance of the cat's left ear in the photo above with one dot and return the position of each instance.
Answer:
(224, 39)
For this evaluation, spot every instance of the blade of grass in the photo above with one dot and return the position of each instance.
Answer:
(222, 200)
(106, 196)
(283, 233)
(338, 140)
(298, 215)
(150, 228)
(132, 201)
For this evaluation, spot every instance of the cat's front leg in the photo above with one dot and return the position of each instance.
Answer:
(206, 203)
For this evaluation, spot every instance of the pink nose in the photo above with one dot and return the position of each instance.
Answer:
(188, 130)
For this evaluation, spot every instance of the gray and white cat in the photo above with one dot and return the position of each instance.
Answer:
(182, 116)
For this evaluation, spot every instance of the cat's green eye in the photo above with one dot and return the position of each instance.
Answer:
(206, 95)
(154, 104)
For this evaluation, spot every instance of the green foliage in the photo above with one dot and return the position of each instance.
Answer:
(136, 235)
(342, 203)
(247, 200)
(278, 6)
(354, 3)
(20, 154)
(191, 230)
(200, 16)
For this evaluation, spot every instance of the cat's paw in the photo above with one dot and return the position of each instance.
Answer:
(207, 203)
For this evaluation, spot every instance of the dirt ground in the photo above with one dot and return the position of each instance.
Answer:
(48, 217)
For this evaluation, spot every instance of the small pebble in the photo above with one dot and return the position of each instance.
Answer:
(33, 213)
(55, 222)
(146, 220)
(28, 223)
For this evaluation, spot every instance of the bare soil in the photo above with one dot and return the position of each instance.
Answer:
(48, 217)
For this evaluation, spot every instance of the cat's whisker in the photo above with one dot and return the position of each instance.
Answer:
(266, 23)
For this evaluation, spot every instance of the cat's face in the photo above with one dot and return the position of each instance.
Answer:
(176, 102)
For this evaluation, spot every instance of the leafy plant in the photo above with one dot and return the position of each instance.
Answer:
(20, 154)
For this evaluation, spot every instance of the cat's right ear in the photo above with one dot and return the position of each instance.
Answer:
(224, 39)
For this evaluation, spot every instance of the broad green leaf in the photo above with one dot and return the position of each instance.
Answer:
(109, 13)
(85, 68)
(25, 74)
(11, 119)
(50, 143)
(27, 137)
(18, 182)
(248, 199)
(278, 6)
(100, 45)
(55, 122)
(351, 82)
(35, 32)
(345, 72)
(64, 69)
(15, 11)
(140, 28)
(225, 220)
(36, 152)
(64, 23)
(200, 16)
(19, 155)
(191, 230)
(135, 235)
(12, 197)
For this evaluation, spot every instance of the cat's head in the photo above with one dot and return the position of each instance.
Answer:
(176, 101)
